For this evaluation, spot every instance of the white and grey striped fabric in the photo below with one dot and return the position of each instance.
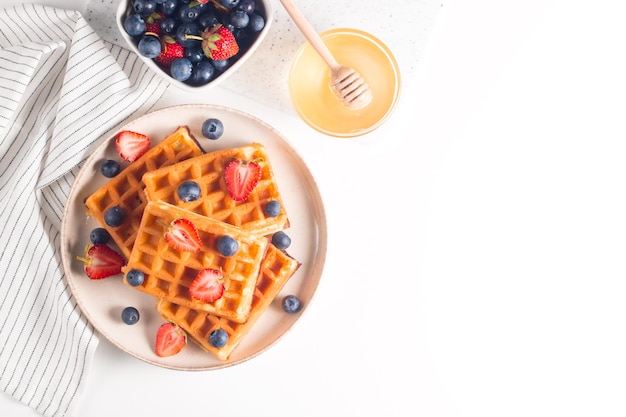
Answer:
(61, 89)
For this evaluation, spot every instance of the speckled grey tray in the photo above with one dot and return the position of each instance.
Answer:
(403, 25)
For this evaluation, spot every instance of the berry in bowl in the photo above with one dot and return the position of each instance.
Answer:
(194, 44)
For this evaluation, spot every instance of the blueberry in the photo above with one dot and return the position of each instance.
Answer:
(257, 22)
(168, 7)
(130, 315)
(207, 20)
(239, 19)
(291, 304)
(135, 277)
(189, 191)
(221, 64)
(272, 208)
(281, 240)
(110, 168)
(194, 54)
(247, 6)
(114, 216)
(168, 25)
(159, 1)
(149, 46)
(187, 29)
(229, 4)
(227, 246)
(99, 235)
(218, 338)
(181, 69)
(144, 7)
(187, 13)
(203, 72)
(212, 128)
(134, 24)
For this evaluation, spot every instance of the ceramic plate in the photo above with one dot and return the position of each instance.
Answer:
(102, 301)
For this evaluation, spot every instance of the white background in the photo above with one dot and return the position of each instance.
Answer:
(477, 240)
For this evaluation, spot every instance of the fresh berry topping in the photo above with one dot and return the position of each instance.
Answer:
(149, 45)
(227, 246)
(132, 145)
(134, 24)
(291, 304)
(241, 178)
(182, 235)
(153, 22)
(171, 50)
(207, 286)
(130, 315)
(281, 240)
(218, 338)
(218, 42)
(110, 168)
(212, 128)
(135, 277)
(144, 7)
(114, 216)
(99, 235)
(188, 191)
(101, 261)
(272, 208)
(170, 339)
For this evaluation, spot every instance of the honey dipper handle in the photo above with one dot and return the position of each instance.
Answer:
(310, 34)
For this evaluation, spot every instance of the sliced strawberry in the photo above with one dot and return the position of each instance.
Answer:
(170, 339)
(241, 178)
(207, 285)
(131, 145)
(183, 236)
(101, 261)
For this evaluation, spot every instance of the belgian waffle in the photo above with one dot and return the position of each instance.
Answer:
(169, 272)
(126, 189)
(276, 269)
(208, 171)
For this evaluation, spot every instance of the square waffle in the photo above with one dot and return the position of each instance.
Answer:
(276, 269)
(168, 272)
(126, 189)
(207, 171)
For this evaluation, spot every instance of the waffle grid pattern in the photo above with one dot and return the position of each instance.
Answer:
(207, 171)
(126, 189)
(169, 272)
(276, 269)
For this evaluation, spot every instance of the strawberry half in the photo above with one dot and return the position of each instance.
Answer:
(171, 50)
(101, 261)
(207, 286)
(182, 235)
(241, 178)
(218, 43)
(131, 145)
(170, 339)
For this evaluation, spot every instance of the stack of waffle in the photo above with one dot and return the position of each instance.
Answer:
(147, 192)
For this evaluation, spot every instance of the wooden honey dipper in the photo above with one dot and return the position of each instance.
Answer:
(347, 84)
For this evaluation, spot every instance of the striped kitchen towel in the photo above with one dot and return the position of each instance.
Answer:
(61, 89)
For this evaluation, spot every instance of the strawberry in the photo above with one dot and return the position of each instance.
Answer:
(171, 50)
(241, 178)
(182, 235)
(153, 22)
(101, 261)
(219, 43)
(170, 339)
(131, 145)
(207, 285)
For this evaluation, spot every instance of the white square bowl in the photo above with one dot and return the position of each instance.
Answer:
(262, 6)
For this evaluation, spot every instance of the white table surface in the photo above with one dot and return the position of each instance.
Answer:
(477, 239)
